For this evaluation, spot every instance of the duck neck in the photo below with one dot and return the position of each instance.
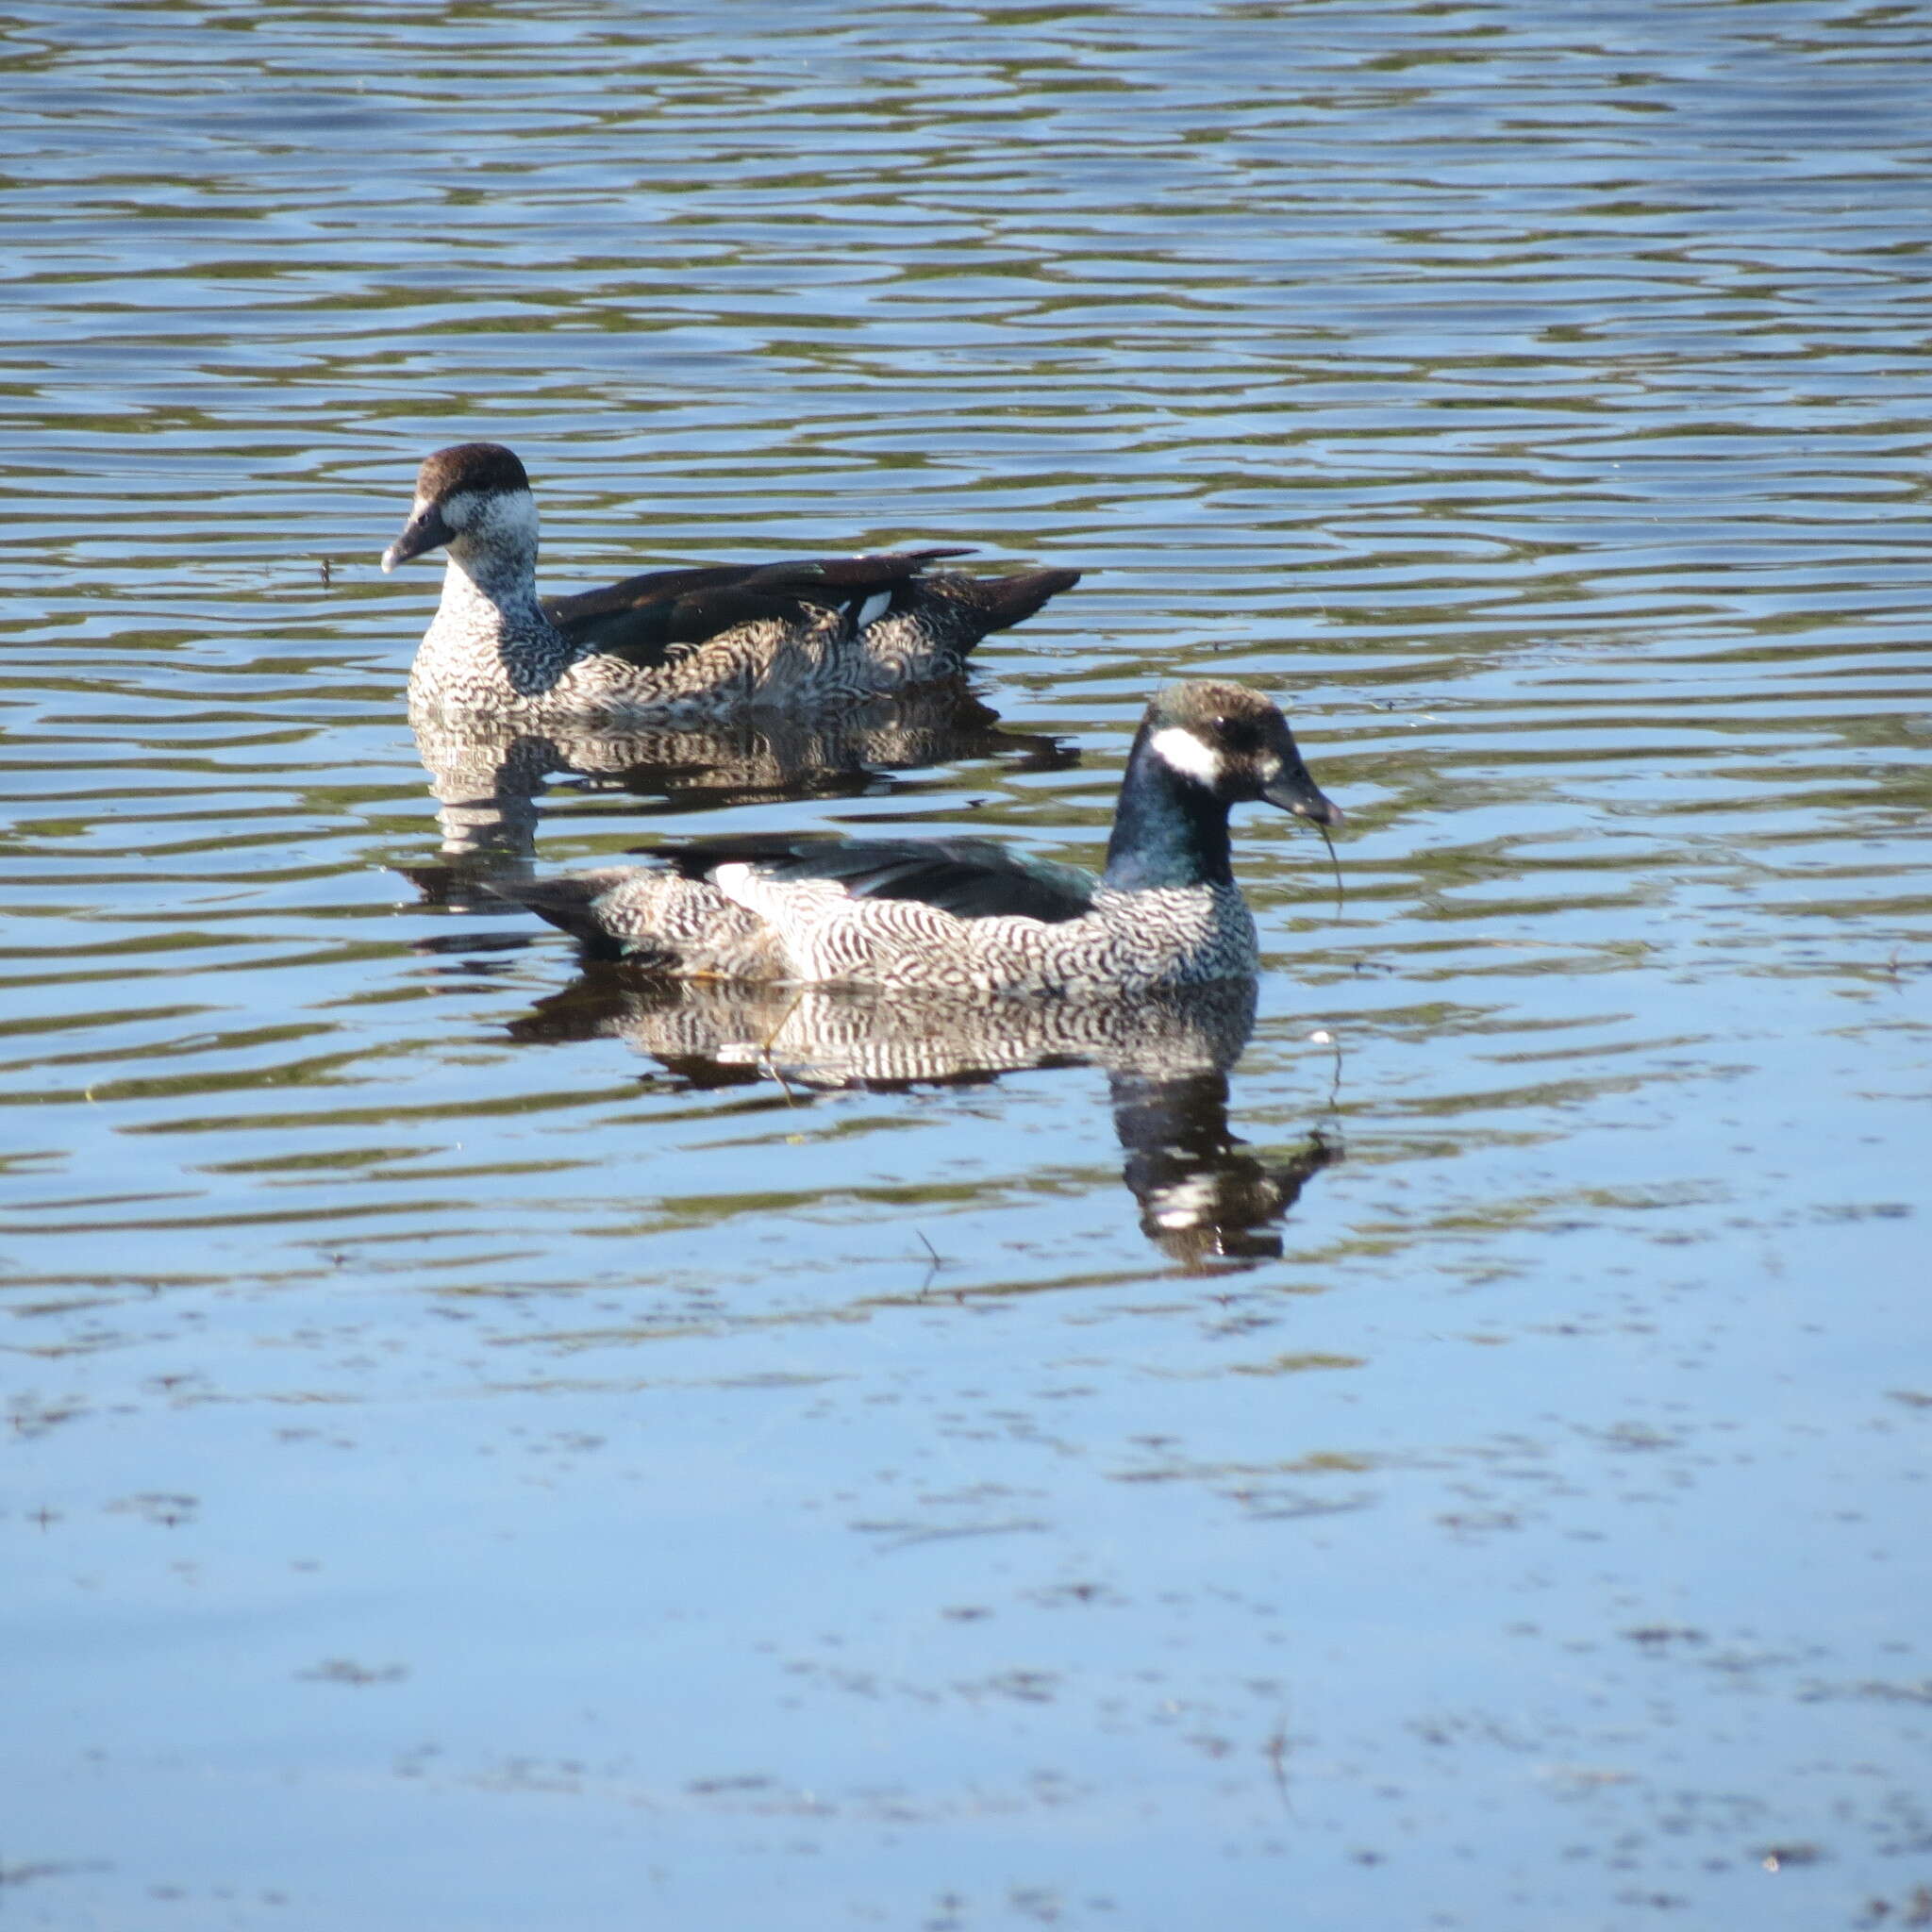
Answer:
(488, 587)
(1168, 829)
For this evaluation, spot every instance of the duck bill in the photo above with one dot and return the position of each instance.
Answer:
(1293, 791)
(423, 531)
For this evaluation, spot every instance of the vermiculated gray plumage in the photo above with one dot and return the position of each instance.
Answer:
(693, 643)
(963, 915)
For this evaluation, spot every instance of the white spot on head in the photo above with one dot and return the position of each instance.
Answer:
(1182, 752)
(499, 519)
(515, 515)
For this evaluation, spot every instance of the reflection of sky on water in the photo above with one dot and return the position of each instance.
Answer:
(451, 1480)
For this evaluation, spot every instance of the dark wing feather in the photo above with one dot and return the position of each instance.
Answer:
(1003, 602)
(971, 878)
(859, 576)
(645, 618)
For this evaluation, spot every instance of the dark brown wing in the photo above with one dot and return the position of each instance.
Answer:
(971, 878)
(645, 618)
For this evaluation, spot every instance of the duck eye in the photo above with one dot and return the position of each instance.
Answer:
(1238, 734)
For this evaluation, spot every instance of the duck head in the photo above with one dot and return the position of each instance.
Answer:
(1235, 745)
(471, 496)
(1201, 749)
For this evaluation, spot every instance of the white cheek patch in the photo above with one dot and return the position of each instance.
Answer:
(513, 518)
(1185, 753)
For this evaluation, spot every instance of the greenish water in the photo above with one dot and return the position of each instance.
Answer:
(489, 1446)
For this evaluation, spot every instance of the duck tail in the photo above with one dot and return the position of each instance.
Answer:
(1003, 602)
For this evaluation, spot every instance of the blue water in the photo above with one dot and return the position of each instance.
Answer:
(486, 1446)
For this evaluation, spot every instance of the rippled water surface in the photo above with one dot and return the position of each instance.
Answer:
(494, 1445)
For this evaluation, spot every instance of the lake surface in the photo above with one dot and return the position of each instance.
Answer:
(489, 1446)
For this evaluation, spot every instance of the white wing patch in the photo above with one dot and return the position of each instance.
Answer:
(873, 610)
(1183, 752)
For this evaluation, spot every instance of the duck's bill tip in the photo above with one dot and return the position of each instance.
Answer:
(1296, 791)
(425, 532)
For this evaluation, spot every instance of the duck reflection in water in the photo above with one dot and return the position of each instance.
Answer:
(1207, 1200)
(489, 779)
(981, 959)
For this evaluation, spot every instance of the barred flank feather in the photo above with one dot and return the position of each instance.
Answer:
(968, 916)
(690, 645)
